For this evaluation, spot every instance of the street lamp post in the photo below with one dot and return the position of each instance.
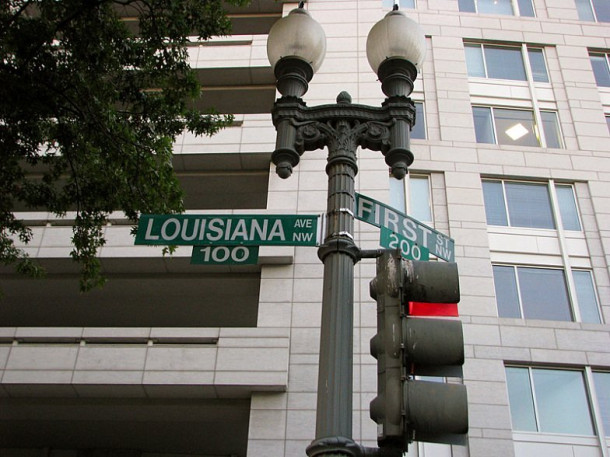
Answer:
(296, 48)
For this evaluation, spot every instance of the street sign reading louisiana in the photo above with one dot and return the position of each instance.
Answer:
(228, 230)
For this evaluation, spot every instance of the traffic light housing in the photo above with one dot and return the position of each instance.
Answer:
(408, 409)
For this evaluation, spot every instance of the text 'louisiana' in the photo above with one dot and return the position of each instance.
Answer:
(218, 229)
(227, 230)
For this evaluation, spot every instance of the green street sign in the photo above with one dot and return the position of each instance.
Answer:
(228, 230)
(408, 249)
(224, 255)
(382, 215)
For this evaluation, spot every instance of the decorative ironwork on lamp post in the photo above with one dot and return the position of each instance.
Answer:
(296, 48)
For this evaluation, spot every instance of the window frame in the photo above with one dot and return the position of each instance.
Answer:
(602, 416)
(598, 308)
(591, 12)
(515, 7)
(554, 206)
(401, 192)
(389, 4)
(587, 389)
(603, 80)
(525, 53)
(420, 121)
(536, 127)
(517, 268)
(573, 292)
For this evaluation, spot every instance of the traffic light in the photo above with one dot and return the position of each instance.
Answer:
(406, 408)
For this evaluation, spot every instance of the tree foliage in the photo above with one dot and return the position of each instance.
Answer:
(92, 96)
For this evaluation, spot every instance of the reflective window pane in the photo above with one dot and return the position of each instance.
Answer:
(602, 10)
(567, 208)
(419, 129)
(495, 209)
(599, 62)
(515, 127)
(495, 7)
(419, 198)
(526, 8)
(585, 12)
(474, 60)
(401, 3)
(587, 300)
(504, 63)
(467, 6)
(529, 205)
(482, 125)
(602, 388)
(544, 294)
(552, 134)
(562, 402)
(538, 65)
(397, 194)
(507, 295)
(520, 399)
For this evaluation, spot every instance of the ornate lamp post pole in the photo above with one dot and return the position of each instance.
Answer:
(296, 48)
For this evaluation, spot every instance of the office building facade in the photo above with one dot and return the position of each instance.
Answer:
(512, 161)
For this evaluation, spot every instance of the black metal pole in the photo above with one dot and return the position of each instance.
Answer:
(339, 254)
(342, 127)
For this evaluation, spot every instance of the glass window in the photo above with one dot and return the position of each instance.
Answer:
(608, 122)
(520, 294)
(544, 294)
(552, 133)
(567, 207)
(504, 63)
(505, 7)
(495, 7)
(585, 11)
(515, 127)
(493, 195)
(483, 125)
(561, 400)
(418, 202)
(526, 8)
(400, 3)
(397, 194)
(467, 6)
(474, 61)
(419, 129)
(507, 294)
(521, 204)
(419, 198)
(538, 65)
(601, 69)
(549, 401)
(587, 299)
(521, 400)
(593, 10)
(602, 10)
(602, 388)
(527, 204)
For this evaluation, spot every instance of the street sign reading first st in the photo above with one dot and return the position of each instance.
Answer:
(228, 230)
(382, 215)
